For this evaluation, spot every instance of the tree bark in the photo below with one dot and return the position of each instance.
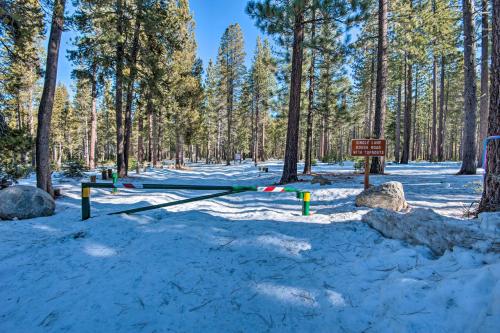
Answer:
(469, 135)
(230, 97)
(140, 140)
(377, 165)
(433, 150)
(130, 88)
(490, 200)
(149, 107)
(119, 57)
(369, 124)
(43, 172)
(32, 126)
(292, 135)
(484, 99)
(407, 116)
(219, 135)
(414, 119)
(397, 144)
(440, 134)
(310, 106)
(256, 137)
(93, 118)
(179, 149)
(262, 146)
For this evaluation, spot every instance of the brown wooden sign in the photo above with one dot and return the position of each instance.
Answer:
(368, 147)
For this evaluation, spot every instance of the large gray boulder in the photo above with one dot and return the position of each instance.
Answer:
(25, 202)
(423, 226)
(389, 195)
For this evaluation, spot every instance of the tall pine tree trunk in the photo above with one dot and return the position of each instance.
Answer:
(93, 119)
(149, 107)
(256, 134)
(32, 126)
(43, 173)
(469, 135)
(397, 144)
(262, 145)
(219, 135)
(310, 106)
(159, 132)
(140, 140)
(414, 119)
(407, 116)
(490, 200)
(179, 149)
(119, 58)
(377, 165)
(230, 99)
(130, 86)
(440, 133)
(433, 149)
(484, 100)
(369, 124)
(292, 134)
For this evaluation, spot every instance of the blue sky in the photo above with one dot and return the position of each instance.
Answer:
(211, 16)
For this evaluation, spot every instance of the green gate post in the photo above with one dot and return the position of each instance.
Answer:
(115, 180)
(306, 203)
(85, 202)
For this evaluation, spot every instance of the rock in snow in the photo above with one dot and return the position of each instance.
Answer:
(319, 179)
(425, 227)
(389, 195)
(25, 202)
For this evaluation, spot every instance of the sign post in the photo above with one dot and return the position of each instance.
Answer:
(367, 172)
(368, 148)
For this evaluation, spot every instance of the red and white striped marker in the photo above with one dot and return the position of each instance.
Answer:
(128, 185)
(270, 189)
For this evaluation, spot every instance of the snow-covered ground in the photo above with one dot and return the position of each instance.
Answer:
(244, 263)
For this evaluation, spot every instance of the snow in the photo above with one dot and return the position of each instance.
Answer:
(244, 263)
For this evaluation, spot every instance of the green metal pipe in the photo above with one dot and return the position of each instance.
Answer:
(188, 187)
(178, 187)
(303, 195)
(174, 203)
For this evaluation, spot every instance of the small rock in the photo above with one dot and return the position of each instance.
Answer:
(388, 196)
(25, 202)
(318, 179)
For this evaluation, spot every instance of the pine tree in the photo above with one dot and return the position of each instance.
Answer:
(43, 173)
(262, 85)
(469, 139)
(211, 110)
(230, 61)
(21, 28)
(490, 200)
(90, 58)
(187, 90)
(310, 104)
(289, 18)
(484, 98)
(380, 95)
